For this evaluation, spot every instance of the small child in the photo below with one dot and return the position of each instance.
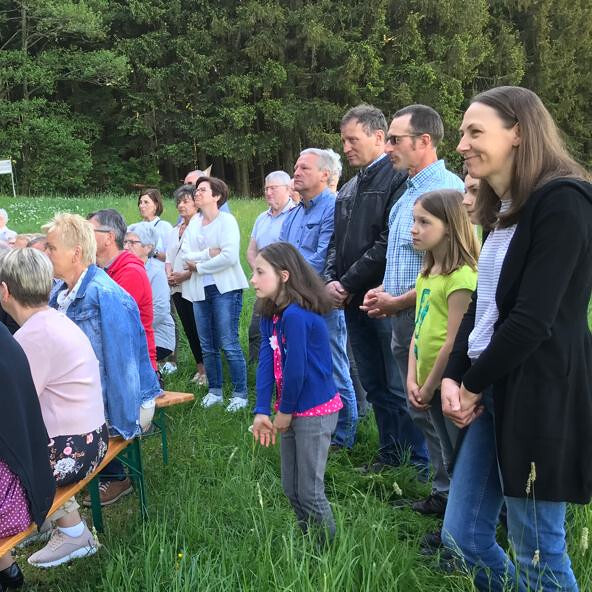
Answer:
(444, 288)
(295, 355)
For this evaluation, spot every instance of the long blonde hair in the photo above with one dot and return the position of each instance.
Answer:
(463, 246)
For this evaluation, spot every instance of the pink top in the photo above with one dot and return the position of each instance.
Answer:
(331, 406)
(65, 371)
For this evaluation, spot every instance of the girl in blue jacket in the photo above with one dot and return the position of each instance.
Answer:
(295, 356)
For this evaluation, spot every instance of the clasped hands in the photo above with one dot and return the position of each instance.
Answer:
(458, 404)
(264, 430)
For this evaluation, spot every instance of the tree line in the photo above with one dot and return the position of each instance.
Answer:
(105, 95)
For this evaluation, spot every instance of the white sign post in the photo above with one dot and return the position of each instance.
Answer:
(6, 169)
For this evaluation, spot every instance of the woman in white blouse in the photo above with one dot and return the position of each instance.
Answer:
(211, 253)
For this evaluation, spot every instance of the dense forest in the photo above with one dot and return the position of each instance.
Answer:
(100, 95)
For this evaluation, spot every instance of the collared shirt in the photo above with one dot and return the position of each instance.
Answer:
(403, 263)
(267, 227)
(309, 227)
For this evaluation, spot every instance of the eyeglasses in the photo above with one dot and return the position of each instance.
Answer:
(201, 190)
(394, 140)
(128, 241)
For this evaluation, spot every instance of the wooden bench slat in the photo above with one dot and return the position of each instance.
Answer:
(172, 398)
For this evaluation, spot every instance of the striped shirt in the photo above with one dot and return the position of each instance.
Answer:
(403, 263)
(491, 260)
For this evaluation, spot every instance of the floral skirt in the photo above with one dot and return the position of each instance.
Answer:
(72, 458)
(14, 505)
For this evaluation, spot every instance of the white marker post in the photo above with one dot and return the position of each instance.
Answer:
(6, 169)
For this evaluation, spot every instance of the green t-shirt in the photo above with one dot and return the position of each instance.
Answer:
(431, 314)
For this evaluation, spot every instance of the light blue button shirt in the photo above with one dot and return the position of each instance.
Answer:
(267, 227)
(403, 263)
(309, 227)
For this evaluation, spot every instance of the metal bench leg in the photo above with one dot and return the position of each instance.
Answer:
(95, 501)
(160, 421)
(133, 460)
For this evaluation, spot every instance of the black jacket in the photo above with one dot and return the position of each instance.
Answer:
(539, 360)
(23, 438)
(357, 251)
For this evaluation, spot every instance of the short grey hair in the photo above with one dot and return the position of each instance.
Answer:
(281, 177)
(145, 232)
(424, 120)
(112, 220)
(180, 193)
(4, 214)
(28, 274)
(370, 117)
(324, 158)
(337, 166)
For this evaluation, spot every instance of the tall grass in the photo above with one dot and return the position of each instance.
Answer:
(218, 518)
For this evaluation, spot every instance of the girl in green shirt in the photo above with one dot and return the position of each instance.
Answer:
(442, 230)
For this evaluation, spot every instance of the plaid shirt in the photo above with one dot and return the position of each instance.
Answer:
(403, 263)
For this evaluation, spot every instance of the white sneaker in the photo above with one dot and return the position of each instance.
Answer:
(211, 399)
(200, 379)
(168, 368)
(62, 548)
(236, 403)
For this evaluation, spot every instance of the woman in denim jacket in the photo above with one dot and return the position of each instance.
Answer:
(108, 316)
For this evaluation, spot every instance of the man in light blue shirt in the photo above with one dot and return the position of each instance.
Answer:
(309, 227)
(266, 230)
(412, 141)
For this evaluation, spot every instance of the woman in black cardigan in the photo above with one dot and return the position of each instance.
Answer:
(520, 374)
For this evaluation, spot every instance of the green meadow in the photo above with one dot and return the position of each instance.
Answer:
(218, 518)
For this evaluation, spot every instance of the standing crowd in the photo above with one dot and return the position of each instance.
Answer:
(456, 310)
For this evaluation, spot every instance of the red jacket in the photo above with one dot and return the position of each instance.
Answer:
(129, 272)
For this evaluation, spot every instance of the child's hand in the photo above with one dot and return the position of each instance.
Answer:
(263, 430)
(426, 394)
(282, 421)
(414, 396)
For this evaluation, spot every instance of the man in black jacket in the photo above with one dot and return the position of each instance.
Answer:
(356, 263)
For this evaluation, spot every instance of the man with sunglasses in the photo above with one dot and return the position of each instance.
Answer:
(412, 141)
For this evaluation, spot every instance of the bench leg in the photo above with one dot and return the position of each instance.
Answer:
(133, 460)
(95, 500)
(160, 421)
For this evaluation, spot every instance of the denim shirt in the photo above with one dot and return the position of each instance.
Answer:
(309, 227)
(110, 319)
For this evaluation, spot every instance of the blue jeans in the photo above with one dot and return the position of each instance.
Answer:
(217, 319)
(474, 503)
(370, 340)
(345, 433)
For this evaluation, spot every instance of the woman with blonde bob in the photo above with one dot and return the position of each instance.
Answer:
(519, 377)
(109, 317)
(65, 372)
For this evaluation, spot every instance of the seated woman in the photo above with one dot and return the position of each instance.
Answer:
(65, 371)
(141, 239)
(109, 317)
(211, 253)
(27, 486)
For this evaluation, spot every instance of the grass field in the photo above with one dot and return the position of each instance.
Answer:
(218, 518)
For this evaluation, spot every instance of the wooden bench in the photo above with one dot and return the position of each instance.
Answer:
(129, 453)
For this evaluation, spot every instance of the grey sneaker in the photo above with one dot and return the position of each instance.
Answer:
(62, 548)
(236, 403)
(211, 399)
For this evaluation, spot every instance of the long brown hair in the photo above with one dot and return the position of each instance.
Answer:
(540, 157)
(463, 246)
(303, 286)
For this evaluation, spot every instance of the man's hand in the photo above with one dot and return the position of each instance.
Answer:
(379, 304)
(178, 277)
(337, 293)
(190, 266)
(282, 421)
(263, 430)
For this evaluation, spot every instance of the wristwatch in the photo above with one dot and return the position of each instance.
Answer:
(155, 253)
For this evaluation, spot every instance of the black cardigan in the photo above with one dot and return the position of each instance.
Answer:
(23, 438)
(539, 360)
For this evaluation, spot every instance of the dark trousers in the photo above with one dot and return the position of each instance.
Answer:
(185, 312)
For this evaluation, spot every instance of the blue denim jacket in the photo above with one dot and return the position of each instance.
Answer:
(109, 317)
